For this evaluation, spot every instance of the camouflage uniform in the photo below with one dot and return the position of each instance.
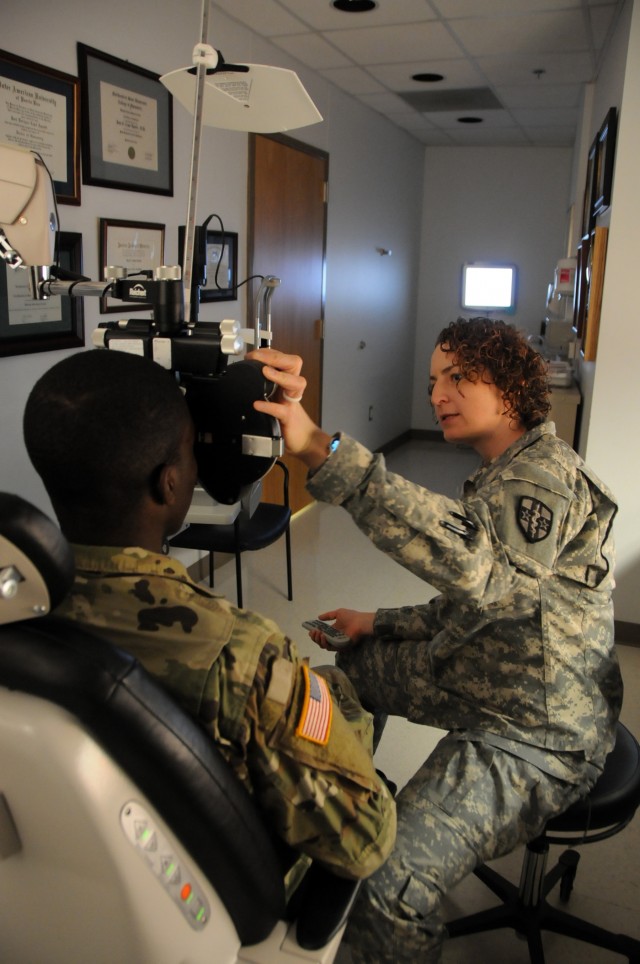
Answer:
(298, 739)
(515, 658)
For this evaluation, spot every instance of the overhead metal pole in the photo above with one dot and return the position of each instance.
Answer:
(190, 227)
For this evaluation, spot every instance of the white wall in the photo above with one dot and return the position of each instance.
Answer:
(611, 444)
(375, 196)
(502, 204)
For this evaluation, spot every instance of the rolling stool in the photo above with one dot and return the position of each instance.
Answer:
(607, 810)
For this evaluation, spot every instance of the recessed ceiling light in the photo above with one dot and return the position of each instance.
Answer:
(427, 78)
(355, 6)
(470, 120)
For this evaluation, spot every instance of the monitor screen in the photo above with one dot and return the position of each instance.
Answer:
(488, 286)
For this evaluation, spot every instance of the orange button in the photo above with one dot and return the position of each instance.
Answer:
(185, 893)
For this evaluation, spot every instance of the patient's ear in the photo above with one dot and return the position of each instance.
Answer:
(163, 484)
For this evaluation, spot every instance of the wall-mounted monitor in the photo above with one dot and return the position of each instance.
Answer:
(489, 286)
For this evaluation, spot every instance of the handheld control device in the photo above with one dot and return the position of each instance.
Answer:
(334, 636)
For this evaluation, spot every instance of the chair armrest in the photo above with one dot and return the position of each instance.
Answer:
(325, 904)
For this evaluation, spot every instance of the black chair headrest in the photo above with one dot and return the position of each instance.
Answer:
(36, 562)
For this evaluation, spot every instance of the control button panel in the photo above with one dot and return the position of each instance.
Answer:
(177, 879)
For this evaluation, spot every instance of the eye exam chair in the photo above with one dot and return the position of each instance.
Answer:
(124, 834)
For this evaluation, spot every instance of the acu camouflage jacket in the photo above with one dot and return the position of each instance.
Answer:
(521, 638)
(298, 739)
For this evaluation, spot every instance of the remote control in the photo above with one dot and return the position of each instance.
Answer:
(334, 636)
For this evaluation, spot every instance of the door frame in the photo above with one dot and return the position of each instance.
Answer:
(317, 152)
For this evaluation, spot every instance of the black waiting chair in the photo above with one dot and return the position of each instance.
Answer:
(124, 834)
(250, 531)
(605, 811)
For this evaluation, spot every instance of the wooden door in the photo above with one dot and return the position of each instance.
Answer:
(287, 232)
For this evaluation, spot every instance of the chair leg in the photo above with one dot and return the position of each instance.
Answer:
(239, 578)
(558, 921)
(287, 537)
(210, 570)
(527, 911)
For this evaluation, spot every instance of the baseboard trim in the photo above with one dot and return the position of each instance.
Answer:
(425, 435)
(627, 633)
(199, 570)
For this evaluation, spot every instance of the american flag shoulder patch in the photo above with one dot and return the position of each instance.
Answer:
(317, 709)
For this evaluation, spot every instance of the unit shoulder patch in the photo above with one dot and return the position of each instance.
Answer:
(534, 519)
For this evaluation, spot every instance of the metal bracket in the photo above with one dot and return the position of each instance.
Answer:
(262, 446)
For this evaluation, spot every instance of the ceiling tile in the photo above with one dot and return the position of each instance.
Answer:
(558, 68)
(432, 138)
(313, 51)
(388, 45)
(266, 18)
(322, 15)
(552, 136)
(490, 9)
(353, 79)
(412, 121)
(480, 136)
(551, 117)
(448, 120)
(538, 95)
(385, 103)
(456, 73)
(523, 35)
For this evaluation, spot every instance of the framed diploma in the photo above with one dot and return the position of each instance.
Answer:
(39, 111)
(603, 179)
(127, 125)
(221, 266)
(27, 325)
(135, 245)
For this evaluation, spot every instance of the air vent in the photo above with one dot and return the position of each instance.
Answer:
(468, 99)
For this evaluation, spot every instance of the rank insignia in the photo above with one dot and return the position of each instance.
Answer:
(317, 709)
(534, 518)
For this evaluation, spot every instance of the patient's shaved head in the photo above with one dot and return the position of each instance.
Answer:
(97, 427)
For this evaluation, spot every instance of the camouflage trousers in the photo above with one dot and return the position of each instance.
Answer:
(467, 804)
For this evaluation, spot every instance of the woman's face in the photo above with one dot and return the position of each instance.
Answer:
(470, 413)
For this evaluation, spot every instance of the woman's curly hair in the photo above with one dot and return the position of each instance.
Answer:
(485, 348)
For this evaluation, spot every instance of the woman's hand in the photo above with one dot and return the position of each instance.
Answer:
(351, 622)
(302, 436)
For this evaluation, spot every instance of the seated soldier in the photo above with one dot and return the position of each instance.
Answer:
(112, 438)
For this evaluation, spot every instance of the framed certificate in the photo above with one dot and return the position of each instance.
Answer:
(127, 125)
(27, 325)
(137, 246)
(39, 111)
(603, 179)
(221, 267)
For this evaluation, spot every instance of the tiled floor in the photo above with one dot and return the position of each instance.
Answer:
(335, 565)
